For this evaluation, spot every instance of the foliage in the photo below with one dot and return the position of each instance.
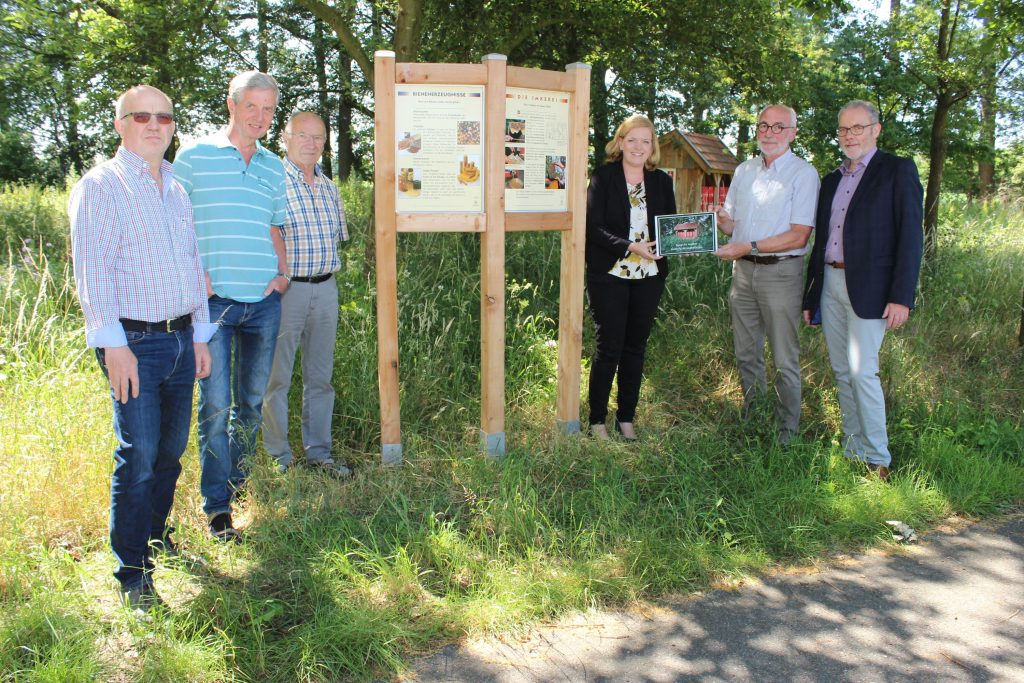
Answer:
(1010, 162)
(688, 65)
(347, 580)
(33, 221)
(18, 162)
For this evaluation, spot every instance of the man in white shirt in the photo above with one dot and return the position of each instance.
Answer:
(769, 214)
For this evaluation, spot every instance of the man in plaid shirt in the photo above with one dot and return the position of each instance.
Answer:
(143, 292)
(309, 309)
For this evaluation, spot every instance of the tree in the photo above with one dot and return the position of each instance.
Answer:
(947, 51)
(50, 67)
(18, 162)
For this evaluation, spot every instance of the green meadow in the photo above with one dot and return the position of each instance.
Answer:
(349, 580)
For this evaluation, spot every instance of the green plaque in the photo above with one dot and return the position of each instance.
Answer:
(686, 233)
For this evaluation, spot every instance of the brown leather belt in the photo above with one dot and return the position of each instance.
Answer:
(160, 326)
(839, 265)
(313, 279)
(767, 260)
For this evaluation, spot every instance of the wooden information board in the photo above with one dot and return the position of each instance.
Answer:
(484, 148)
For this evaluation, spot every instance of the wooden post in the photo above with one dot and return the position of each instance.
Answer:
(570, 299)
(492, 266)
(387, 257)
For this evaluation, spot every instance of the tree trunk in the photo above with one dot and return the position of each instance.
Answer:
(346, 155)
(75, 159)
(323, 102)
(262, 49)
(987, 141)
(742, 140)
(408, 30)
(937, 159)
(599, 111)
(652, 100)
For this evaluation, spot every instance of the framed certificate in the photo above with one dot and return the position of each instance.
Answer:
(686, 233)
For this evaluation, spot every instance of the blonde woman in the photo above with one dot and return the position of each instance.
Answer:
(625, 278)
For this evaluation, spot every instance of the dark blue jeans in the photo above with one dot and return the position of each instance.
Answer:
(231, 398)
(152, 432)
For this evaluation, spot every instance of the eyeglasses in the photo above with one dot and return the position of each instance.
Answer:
(143, 117)
(306, 137)
(853, 130)
(774, 127)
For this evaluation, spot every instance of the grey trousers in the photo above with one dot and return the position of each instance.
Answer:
(766, 300)
(853, 345)
(309, 320)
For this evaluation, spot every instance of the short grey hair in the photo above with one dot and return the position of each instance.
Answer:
(252, 79)
(135, 90)
(789, 110)
(871, 109)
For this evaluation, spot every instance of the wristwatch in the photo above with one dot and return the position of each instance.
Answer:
(753, 249)
(285, 276)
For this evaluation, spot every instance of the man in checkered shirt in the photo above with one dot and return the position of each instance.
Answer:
(309, 309)
(143, 292)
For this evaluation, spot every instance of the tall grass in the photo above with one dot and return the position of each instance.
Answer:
(344, 581)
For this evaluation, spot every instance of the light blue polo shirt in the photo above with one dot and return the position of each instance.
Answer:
(234, 206)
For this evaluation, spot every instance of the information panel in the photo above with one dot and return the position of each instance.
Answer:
(439, 164)
(536, 150)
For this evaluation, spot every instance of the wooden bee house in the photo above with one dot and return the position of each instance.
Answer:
(701, 167)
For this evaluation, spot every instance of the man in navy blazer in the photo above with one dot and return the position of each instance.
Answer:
(863, 273)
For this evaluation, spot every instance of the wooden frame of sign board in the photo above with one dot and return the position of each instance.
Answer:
(496, 77)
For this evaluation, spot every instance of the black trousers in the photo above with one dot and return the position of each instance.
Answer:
(623, 313)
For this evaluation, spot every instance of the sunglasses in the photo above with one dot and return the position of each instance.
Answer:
(143, 117)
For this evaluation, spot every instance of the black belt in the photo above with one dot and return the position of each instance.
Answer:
(768, 260)
(313, 279)
(161, 326)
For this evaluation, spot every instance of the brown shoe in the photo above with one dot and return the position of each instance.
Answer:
(881, 471)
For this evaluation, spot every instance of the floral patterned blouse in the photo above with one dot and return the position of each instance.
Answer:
(632, 266)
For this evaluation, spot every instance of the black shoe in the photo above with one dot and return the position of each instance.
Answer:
(223, 529)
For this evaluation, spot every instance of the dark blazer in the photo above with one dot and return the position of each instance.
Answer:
(882, 237)
(608, 214)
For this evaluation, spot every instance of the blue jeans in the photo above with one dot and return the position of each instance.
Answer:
(152, 432)
(231, 398)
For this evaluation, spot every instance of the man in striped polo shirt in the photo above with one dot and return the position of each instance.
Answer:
(141, 285)
(309, 309)
(237, 191)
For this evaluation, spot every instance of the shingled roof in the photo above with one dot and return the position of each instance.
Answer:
(707, 150)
